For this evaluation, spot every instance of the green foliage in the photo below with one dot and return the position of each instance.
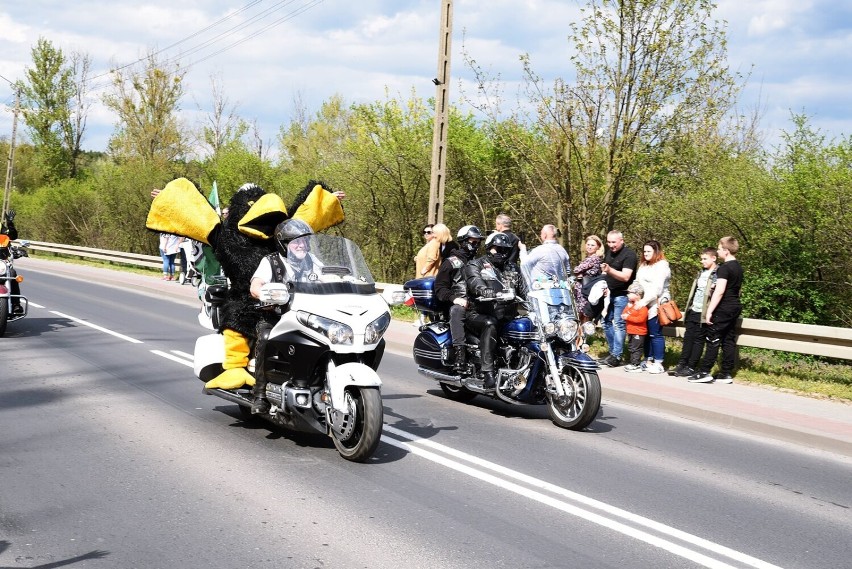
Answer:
(146, 101)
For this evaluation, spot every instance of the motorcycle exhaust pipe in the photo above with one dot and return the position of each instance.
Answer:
(434, 374)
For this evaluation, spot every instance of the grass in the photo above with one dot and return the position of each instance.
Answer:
(804, 375)
(811, 376)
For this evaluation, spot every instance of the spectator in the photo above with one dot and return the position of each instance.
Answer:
(503, 224)
(428, 258)
(695, 315)
(618, 266)
(636, 317)
(587, 272)
(549, 259)
(722, 313)
(169, 246)
(443, 236)
(654, 274)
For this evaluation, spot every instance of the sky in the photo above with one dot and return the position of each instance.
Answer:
(268, 54)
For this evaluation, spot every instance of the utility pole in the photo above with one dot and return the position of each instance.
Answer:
(7, 190)
(442, 101)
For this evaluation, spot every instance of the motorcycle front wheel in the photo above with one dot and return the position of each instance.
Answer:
(580, 405)
(365, 405)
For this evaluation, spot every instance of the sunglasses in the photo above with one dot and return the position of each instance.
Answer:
(427, 232)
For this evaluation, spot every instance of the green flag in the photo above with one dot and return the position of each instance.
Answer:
(213, 198)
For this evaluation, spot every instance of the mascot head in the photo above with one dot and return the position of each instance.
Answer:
(241, 202)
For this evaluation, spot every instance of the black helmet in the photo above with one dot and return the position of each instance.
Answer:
(289, 230)
(469, 237)
(501, 246)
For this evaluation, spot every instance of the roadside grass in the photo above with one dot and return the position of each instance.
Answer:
(48, 256)
(805, 375)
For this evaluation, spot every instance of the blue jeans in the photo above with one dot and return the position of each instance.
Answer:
(656, 345)
(615, 327)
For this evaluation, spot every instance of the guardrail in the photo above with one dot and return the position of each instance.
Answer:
(828, 341)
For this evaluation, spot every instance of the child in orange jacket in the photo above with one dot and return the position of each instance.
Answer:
(637, 327)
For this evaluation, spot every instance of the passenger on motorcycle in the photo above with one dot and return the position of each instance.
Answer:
(450, 288)
(292, 263)
(493, 283)
(7, 227)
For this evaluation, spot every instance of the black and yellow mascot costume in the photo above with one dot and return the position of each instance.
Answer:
(239, 243)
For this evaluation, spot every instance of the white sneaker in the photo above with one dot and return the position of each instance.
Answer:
(656, 367)
(630, 368)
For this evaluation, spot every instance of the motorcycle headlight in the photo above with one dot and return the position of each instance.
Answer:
(336, 332)
(588, 328)
(376, 328)
(566, 328)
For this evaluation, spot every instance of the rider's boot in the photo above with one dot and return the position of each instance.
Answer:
(489, 381)
(260, 405)
(459, 358)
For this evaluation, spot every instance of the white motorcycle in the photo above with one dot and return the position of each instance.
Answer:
(320, 357)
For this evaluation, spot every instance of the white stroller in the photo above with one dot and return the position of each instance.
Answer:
(192, 253)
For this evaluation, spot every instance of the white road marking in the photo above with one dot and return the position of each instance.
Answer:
(99, 328)
(415, 448)
(588, 515)
(175, 358)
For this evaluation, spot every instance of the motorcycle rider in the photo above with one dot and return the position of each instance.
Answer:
(450, 288)
(7, 227)
(292, 263)
(488, 277)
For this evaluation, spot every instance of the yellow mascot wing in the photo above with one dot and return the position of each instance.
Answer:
(181, 209)
(320, 210)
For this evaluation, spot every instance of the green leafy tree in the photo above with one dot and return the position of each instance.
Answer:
(647, 72)
(146, 99)
(55, 105)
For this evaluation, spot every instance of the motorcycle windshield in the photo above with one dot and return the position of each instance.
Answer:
(551, 295)
(328, 264)
(549, 274)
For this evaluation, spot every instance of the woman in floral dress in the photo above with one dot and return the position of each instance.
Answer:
(588, 267)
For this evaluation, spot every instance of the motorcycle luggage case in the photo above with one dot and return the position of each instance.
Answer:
(428, 345)
(421, 291)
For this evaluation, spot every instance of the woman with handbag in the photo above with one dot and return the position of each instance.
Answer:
(654, 274)
(586, 272)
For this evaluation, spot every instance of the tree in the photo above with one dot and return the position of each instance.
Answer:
(223, 126)
(56, 107)
(647, 73)
(147, 100)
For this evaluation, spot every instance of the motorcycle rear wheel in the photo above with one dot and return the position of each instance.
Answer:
(457, 393)
(366, 404)
(4, 315)
(581, 407)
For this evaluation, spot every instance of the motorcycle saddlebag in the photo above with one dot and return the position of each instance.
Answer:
(428, 345)
(208, 356)
(421, 292)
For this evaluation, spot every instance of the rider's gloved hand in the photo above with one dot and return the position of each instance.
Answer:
(10, 215)
(274, 293)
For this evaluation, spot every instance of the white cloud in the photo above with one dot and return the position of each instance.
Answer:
(800, 50)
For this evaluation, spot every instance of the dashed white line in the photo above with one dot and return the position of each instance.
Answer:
(99, 328)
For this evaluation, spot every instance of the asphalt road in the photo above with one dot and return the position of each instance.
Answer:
(111, 457)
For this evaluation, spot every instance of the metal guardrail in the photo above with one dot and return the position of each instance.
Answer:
(828, 341)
